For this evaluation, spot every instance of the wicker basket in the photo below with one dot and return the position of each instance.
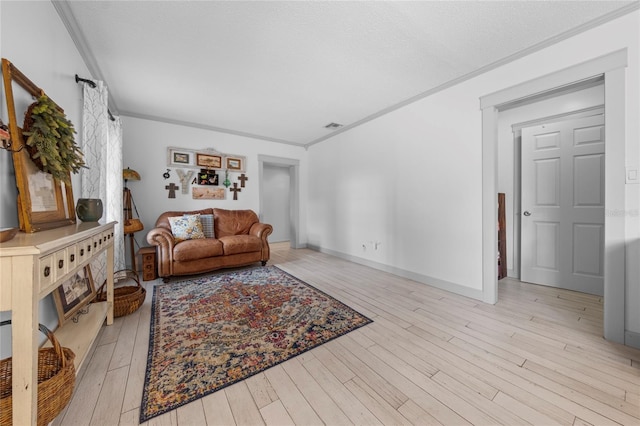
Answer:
(126, 299)
(56, 380)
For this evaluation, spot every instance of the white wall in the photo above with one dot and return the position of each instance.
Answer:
(34, 39)
(277, 201)
(412, 178)
(145, 144)
(590, 97)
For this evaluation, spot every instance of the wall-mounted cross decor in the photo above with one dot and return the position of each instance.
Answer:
(184, 179)
(172, 189)
(242, 178)
(235, 190)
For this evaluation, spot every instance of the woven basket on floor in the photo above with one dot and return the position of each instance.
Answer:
(56, 379)
(126, 299)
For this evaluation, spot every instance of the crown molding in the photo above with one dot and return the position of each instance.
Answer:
(69, 21)
(208, 127)
(511, 58)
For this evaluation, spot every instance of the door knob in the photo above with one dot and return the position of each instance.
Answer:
(526, 213)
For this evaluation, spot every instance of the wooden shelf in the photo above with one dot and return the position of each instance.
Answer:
(79, 336)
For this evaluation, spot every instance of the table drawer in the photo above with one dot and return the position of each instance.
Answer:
(72, 257)
(84, 250)
(45, 271)
(60, 263)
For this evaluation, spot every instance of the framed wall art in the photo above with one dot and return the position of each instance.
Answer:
(178, 157)
(207, 177)
(234, 163)
(74, 294)
(209, 161)
(43, 201)
(208, 193)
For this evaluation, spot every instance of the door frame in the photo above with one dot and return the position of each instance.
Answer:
(294, 189)
(612, 68)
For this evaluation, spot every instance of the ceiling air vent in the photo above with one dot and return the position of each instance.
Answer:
(332, 126)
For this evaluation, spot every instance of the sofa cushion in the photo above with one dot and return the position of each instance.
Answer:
(197, 249)
(207, 225)
(235, 244)
(163, 220)
(233, 222)
(186, 227)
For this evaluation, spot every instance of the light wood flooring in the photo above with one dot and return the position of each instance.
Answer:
(429, 357)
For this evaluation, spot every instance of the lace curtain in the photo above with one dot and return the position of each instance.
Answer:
(102, 148)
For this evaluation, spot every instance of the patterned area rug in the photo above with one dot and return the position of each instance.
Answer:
(210, 332)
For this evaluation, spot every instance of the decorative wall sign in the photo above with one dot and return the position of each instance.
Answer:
(208, 160)
(208, 193)
(207, 177)
(74, 294)
(184, 179)
(172, 187)
(235, 190)
(242, 178)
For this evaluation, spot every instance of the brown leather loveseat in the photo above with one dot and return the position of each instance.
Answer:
(239, 239)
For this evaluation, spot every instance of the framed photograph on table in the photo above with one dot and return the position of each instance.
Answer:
(234, 164)
(74, 294)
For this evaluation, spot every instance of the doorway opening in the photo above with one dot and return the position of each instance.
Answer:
(611, 68)
(279, 183)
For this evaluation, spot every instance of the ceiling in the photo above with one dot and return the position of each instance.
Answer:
(281, 70)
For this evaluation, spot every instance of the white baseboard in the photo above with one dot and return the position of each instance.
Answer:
(631, 338)
(423, 279)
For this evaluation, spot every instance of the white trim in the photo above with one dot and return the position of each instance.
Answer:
(614, 200)
(207, 127)
(70, 23)
(579, 113)
(424, 279)
(559, 80)
(490, 205)
(612, 66)
(522, 53)
(64, 11)
(632, 339)
(294, 207)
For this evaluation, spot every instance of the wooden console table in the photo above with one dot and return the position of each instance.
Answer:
(31, 267)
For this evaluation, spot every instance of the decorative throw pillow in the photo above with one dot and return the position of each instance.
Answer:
(186, 227)
(207, 225)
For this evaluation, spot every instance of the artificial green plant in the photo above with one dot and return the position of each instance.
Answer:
(50, 137)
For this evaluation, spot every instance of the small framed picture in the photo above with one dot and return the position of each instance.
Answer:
(74, 294)
(178, 157)
(209, 161)
(235, 164)
(208, 193)
(207, 177)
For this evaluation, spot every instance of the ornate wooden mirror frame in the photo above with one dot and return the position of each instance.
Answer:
(43, 202)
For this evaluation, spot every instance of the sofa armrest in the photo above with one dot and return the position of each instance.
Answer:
(163, 238)
(262, 231)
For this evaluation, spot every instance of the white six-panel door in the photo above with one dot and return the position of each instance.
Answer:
(562, 220)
